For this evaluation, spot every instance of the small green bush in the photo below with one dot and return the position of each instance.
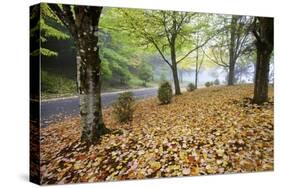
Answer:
(123, 108)
(190, 87)
(217, 82)
(208, 84)
(165, 93)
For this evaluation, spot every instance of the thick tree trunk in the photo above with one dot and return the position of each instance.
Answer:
(90, 98)
(264, 49)
(89, 81)
(261, 78)
(82, 23)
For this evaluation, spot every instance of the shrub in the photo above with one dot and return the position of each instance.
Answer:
(165, 93)
(191, 87)
(208, 84)
(123, 108)
(217, 82)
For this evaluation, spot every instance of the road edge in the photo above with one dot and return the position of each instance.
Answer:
(102, 94)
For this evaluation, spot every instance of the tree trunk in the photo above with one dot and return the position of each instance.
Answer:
(82, 23)
(232, 59)
(90, 98)
(173, 56)
(197, 64)
(89, 81)
(264, 45)
(231, 73)
(174, 68)
(261, 79)
(196, 79)
(176, 80)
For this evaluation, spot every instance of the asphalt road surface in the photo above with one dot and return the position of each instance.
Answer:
(57, 109)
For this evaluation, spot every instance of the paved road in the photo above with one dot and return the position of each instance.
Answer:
(53, 110)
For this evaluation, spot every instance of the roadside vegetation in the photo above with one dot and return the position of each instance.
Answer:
(53, 86)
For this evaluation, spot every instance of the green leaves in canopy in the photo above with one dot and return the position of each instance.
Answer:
(51, 31)
(50, 26)
(106, 71)
(118, 49)
(108, 53)
(159, 30)
(152, 26)
(44, 51)
(114, 64)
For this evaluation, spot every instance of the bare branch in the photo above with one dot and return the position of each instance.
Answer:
(165, 26)
(214, 61)
(197, 47)
(160, 52)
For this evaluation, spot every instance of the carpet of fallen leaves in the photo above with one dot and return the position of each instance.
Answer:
(209, 131)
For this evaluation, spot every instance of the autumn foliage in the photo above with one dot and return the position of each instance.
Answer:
(194, 135)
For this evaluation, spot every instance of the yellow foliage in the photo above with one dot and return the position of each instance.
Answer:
(208, 131)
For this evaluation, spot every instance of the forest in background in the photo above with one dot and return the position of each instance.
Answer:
(130, 61)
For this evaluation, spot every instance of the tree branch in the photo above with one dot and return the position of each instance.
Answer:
(165, 26)
(214, 61)
(160, 52)
(197, 47)
(59, 13)
(66, 16)
(254, 30)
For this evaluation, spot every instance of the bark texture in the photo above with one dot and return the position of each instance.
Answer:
(89, 76)
(264, 35)
(176, 80)
(83, 25)
(175, 69)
